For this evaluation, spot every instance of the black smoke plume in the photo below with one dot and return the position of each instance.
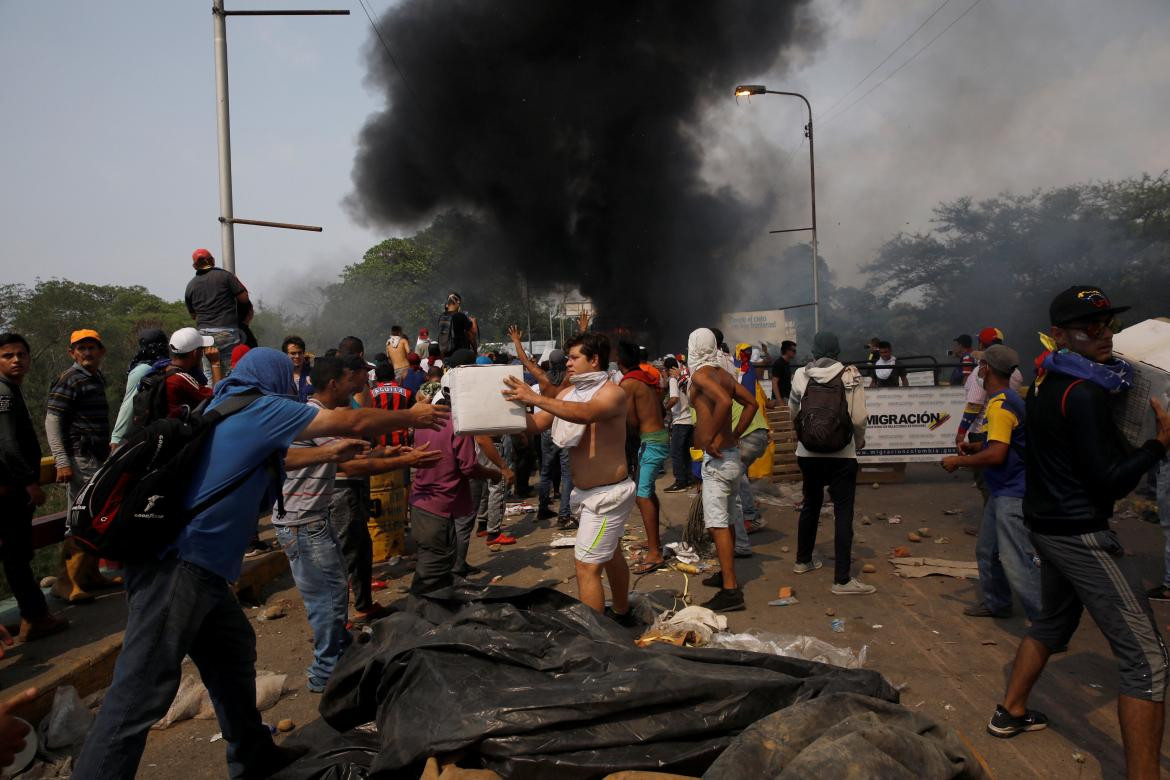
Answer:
(571, 129)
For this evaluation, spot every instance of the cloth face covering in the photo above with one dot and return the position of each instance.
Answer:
(263, 368)
(702, 350)
(585, 386)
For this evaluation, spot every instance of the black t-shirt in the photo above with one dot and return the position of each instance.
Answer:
(211, 297)
(781, 373)
(460, 331)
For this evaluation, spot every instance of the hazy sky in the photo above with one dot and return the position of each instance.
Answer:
(109, 152)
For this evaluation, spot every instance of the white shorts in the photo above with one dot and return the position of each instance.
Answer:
(602, 513)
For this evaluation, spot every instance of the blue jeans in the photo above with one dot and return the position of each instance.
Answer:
(751, 447)
(681, 439)
(226, 340)
(176, 609)
(1006, 557)
(550, 454)
(318, 567)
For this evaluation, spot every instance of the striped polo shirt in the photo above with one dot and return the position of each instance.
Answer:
(78, 397)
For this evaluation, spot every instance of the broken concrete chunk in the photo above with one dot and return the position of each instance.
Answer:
(869, 568)
(913, 537)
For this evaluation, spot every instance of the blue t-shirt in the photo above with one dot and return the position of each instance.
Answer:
(217, 538)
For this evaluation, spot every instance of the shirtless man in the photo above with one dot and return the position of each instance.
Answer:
(644, 414)
(711, 391)
(590, 418)
(397, 350)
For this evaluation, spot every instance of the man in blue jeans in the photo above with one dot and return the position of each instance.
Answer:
(304, 531)
(216, 299)
(1005, 553)
(183, 604)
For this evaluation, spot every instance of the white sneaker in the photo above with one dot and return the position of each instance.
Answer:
(854, 587)
(801, 568)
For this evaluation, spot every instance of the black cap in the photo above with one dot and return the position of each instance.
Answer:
(1080, 302)
(963, 340)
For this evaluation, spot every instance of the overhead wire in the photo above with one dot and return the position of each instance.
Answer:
(909, 60)
(875, 68)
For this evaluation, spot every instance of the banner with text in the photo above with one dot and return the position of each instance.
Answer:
(758, 327)
(911, 424)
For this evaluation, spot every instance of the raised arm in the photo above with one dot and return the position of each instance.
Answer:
(546, 385)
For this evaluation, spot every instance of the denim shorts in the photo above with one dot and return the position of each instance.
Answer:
(720, 487)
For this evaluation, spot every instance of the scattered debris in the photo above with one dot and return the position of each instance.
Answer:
(952, 511)
(970, 530)
(495, 547)
(518, 509)
(865, 520)
(1079, 757)
(216, 737)
(902, 552)
(924, 532)
(838, 625)
(914, 537)
(1094, 685)
(923, 567)
(785, 592)
(895, 520)
(285, 725)
(496, 579)
(830, 611)
(942, 540)
(948, 708)
(686, 568)
(988, 642)
(563, 541)
(880, 516)
(274, 612)
(792, 646)
(869, 568)
(681, 550)
(877, 626)
(784, 548)
(876, 486)
(783, 602)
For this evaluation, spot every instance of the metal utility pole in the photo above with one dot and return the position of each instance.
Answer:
(227, 220)
(747, 90)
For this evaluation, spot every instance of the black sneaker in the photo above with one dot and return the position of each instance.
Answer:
(726, 601)
(982, 610)
(567, 524)
(544, 513)
(1159, 593)
(677, 487)
(715, 580)
(625, 619)
(1005, 725)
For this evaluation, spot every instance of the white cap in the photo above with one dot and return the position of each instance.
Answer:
(186, 340)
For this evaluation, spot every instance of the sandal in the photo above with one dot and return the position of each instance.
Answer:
(646, 567)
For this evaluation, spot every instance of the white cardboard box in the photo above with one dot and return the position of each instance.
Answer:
(1145, 346)
(477, 404)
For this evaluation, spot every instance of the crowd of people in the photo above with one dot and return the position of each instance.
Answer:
(603, 423)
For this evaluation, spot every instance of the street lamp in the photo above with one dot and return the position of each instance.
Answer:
(747, 90)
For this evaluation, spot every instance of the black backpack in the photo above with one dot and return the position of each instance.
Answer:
(446, 335)
(132, 508)
(150, 399)
(823, 423)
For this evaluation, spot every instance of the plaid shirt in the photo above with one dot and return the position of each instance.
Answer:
(78, 397)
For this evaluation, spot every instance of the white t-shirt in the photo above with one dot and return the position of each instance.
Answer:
(680, 413)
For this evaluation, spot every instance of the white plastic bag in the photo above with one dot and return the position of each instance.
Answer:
(67, 722)
(791, 646)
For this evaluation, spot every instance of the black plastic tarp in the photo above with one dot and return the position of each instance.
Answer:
(532, 683)
(844, 735)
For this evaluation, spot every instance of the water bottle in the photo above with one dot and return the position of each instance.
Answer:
(839, 625)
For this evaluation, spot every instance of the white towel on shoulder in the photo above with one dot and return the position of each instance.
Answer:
(585, 386)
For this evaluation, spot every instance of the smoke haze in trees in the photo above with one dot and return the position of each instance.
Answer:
(571, 129)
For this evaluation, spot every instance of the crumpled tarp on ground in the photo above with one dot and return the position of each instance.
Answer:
(843, 735)
(532, 683)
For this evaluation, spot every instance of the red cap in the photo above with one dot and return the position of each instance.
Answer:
(423, 333)
(988, 336)
(201, 254)
(238, 352)
(413, 359)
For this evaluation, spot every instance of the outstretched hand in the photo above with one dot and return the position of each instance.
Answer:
(421, 456)
(429, 416)
(516, 390)
(12, 730)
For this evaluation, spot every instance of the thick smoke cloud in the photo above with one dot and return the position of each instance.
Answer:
(571, 129)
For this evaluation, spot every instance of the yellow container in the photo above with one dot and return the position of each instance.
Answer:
(389, 480)
(387, 522)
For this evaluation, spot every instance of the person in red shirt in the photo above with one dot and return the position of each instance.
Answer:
(389, 394)
(187, 385)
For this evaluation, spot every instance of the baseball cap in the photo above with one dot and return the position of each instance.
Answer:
(186, 340)
(238, 352)
(989, 336)
(1002, 358)
(423, 333)
(201, 254)
(82, 335)
(556, 356)
(1080, 302)
(963, 340)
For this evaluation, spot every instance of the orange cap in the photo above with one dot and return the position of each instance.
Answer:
(81, 335)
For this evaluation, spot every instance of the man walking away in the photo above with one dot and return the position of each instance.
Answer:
(152, 348)
(828, 412)
(183, 604)
(20, 491)
(215, 298)
(456, 329)
(682, 427)
(962, 353)
(1078, 465)
(77, 426)
(1004, 551)
(712, 391)
(782, 373)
